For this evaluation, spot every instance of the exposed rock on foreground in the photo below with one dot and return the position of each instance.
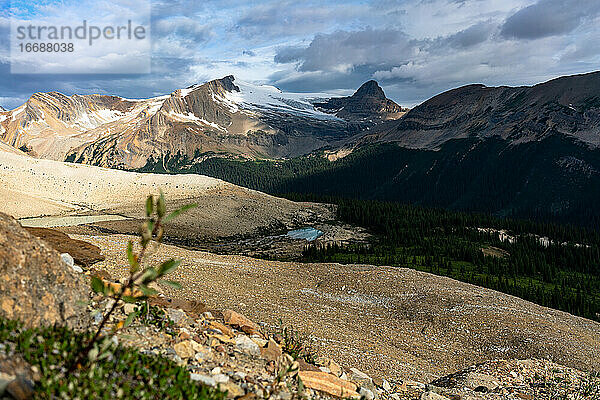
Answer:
(228, 350)
(392, 322)
(36, 286)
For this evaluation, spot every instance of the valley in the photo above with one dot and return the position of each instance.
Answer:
(403, 242)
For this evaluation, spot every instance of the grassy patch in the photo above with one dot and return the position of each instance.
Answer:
(124, 373)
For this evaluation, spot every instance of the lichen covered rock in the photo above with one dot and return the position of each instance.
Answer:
(36, 286)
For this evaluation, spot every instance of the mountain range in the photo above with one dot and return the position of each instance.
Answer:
(567, 106)
(530, 150)
(223, 116)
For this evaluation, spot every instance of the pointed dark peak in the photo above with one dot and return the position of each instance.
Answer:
(370, 89)
(227, 83)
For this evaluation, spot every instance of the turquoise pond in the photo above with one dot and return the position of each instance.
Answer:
(308, 234)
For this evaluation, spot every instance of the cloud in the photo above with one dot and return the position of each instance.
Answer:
(473, 35)
(549, 18)
(289, 18)
(414, 48)
(345, 50)
(183, 27)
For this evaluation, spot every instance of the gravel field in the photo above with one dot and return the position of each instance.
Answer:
(390, 322)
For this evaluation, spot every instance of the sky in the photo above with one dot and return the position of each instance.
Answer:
(415, 49)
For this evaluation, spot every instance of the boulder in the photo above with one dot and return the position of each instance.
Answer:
(204, 379)
(83, 253)
(247, 345)
(329, 384)
(233, 390)
(360, 378)
(187, 348)
(36, 286)
(240, 322)
(272, 352)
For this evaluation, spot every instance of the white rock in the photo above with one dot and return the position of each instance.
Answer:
(432, 396)
(203, 354)
(177, 316)
(259, 341)
(77, 268)
(205, 379)
(221, 378)
(5, 379)
(366, 393)
(247, 345)
(128, 308)
(386, 386)
(240, 375)
(215, 371)
(67, 259)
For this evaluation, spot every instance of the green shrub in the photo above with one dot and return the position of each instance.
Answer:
(125, 374)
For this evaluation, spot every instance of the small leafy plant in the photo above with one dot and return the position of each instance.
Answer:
(137, 287)
(126, 374)
(296, 344)
(148, 314)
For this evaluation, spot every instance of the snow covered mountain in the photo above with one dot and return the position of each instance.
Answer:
(223, 116)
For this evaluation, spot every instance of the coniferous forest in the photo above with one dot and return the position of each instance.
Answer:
(447, 222)
(562, 272)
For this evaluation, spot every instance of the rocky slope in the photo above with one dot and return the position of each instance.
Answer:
(222, 116)
(389, 322)
(44, 188)
(220, 347)
(567, 106)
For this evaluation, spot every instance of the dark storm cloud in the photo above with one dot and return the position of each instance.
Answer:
(473, 35)
(549, 18)
(341, 50)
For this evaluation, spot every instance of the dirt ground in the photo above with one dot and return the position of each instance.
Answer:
(390, 322)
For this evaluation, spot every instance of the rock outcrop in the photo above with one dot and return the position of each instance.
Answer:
(567, 106)
(368, 103)
(37, 287)
(83, 253)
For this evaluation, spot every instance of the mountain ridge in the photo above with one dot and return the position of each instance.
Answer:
(568, 106)
(221, 116)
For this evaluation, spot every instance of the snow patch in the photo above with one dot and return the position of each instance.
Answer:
(17, 111)
(191, 117)
(266, 97)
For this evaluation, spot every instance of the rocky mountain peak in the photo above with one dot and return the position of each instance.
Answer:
(226, 83)
(367, 104)
(370, 89)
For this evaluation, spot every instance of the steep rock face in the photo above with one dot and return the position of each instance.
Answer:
(568, 106)
(367, 103)
(36, 286)
(223, 116)
(50, 124)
